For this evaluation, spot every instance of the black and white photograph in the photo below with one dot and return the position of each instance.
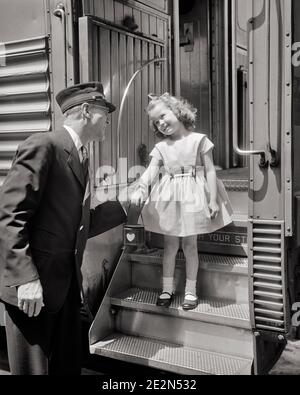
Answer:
(149, 190)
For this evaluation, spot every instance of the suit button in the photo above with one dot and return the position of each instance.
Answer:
(81, 228)
(76, 251)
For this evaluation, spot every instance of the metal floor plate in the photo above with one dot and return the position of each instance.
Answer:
(207, 262)
(170, 357)
(208, 310)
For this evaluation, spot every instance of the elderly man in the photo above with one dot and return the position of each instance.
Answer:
(45, 220)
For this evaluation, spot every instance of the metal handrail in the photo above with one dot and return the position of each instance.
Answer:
(262, 153)
(274, 161)
(155, 60)
(61, 13)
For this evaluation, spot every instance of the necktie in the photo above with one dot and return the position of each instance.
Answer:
(85, 161)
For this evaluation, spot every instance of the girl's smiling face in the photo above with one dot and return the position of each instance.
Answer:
(163, 118)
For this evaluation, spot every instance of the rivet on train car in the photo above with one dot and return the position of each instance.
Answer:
(113, 311)
(288, 180)
(288, 229)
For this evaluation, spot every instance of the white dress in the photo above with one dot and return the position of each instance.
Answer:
(178, 202)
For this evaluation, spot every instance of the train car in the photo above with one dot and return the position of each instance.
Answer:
(237, 62)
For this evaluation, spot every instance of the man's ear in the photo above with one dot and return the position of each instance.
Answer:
(85, 110)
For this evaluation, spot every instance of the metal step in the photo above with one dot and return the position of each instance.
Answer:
(231, 240)
(236, 182)
(229, 264)
(184, 331)
(220, 312)
(221, 277)
(170, 357)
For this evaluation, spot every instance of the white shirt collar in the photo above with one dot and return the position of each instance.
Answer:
(74, 137)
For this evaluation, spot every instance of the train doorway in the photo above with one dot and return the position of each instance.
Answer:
(225, 52)
(129, 326)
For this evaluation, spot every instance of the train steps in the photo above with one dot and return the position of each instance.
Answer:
(170, 357)
(215, 338)
(231, 240)
(218, 277)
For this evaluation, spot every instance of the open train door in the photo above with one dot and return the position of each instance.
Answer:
(112, 54)
(269, 32)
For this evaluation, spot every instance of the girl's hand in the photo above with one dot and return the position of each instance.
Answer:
(214, 209)
(137, 197)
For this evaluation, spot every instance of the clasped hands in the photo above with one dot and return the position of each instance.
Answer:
(138, 197)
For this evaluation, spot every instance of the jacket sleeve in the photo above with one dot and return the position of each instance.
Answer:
(19, 199)
(105, 217)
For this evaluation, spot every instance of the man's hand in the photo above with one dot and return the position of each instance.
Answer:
(30, 298)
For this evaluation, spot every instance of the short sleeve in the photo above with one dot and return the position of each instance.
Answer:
(155, 153)
(206, 145)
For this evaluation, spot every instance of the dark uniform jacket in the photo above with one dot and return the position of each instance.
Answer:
(45, 218)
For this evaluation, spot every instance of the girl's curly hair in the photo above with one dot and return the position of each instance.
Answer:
(183, 110)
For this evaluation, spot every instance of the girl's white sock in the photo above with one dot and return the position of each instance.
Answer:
(190, 289)
(167, 286)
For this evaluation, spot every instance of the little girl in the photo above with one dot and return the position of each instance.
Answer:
(185, 200)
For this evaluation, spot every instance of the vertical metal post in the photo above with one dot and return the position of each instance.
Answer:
(61, 13)
(287, 116)
(226, 77)
(263, 162)
(176, 25)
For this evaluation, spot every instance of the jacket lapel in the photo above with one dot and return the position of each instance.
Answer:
(76, 166)
(73, 157)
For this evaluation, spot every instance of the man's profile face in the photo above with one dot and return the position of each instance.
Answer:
(99, 122)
